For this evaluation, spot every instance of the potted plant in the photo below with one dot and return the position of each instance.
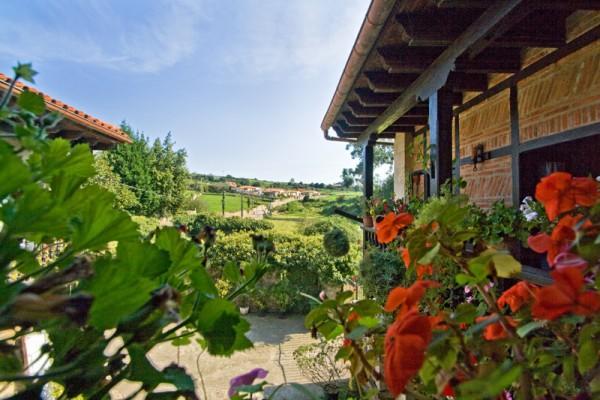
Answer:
(244, 304)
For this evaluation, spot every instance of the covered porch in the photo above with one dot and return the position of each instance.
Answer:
(496, 93)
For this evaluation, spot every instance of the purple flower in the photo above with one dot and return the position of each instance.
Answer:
(245, 379)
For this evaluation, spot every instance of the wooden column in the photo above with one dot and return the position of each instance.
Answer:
(440, 139)
(368, 169)
(515, 141)
(402, 165)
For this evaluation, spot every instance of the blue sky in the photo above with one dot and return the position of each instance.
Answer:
(242, 85)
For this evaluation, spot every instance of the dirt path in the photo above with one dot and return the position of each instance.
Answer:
(259, 212)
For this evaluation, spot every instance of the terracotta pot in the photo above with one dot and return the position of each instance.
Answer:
(367, 221)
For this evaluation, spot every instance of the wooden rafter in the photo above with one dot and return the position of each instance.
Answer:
(403, 59)
(367, 97)
(361, 111)
(382, 81)
(436, 73)
(402, 121)
(543, 4)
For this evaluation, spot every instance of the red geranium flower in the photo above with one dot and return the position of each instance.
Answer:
(517, 295)
(556, 243)
(407, 299)
(495, 330)
(566, 295)
(560, 192)
(391, 225)
(405, 343)
(422, 270)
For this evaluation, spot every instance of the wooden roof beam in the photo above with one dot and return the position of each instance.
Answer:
(369, 98)
(434, 77)
(544, 5)
(437, 28)
(383, 82)
(397, 126)
(405, 59)
(358, 110)
(402, 121)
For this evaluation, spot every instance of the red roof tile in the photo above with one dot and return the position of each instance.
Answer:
(69, 112)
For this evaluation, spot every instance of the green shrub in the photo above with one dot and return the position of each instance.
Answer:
(299, 264)
(381, 271)
(146, 224)
(336, 242)
(228, 225)
(291, 207)
(319, 227)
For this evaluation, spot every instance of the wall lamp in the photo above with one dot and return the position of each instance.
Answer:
(479, 155)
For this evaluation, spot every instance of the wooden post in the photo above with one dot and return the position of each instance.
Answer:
(368, 169)
(367, 179)
(223, 204)
(241, 205)
(440, 139)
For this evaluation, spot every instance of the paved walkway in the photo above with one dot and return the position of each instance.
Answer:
(259, 212)
(275, 339)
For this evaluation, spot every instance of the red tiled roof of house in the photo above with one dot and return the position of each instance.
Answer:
(70, 112)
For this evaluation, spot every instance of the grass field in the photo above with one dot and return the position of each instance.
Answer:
(212, 201)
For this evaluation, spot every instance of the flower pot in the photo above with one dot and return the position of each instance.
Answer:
(244, 310)
(367, 221)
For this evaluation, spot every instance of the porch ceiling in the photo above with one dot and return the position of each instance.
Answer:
(389, 71)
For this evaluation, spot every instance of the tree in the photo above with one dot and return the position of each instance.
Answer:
(158, 172)
(382, 156)
(347, 177)
(125, 198)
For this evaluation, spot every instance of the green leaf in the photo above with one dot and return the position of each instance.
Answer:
(25, 72)
(369, 322)
(203, 283)
(529, 327)
(142, 369)
(117, 292)
(14, 174)
(492, 384)
(341, 297)
(220, 324)
(357, 333)
(367, 308)
(231, 272)
(465, 313)
(587, 356)
(97, 222)
(32, 102)
(505, 265)
(343, 353)
(184, 254)
(430, 255)
(178, 377)
(144, 257)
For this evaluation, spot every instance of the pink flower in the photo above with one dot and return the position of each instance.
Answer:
(323, 295)
(245, 379)
(569, 260)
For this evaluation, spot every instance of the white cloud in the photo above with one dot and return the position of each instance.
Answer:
(274, 39)
(105, 34)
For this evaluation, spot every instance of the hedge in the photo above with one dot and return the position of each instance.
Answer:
(228, 225)
(300, 264)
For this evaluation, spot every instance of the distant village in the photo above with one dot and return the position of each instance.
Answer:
(272, 193)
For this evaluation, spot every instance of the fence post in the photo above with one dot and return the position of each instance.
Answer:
(223, 204)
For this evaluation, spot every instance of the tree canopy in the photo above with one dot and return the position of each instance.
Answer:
(157, 173)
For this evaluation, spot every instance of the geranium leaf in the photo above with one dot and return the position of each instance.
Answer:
(32, 102)
(505, 265)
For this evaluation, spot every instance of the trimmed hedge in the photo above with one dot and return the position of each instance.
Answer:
(300, 264)
(380, 272)
(228, 225)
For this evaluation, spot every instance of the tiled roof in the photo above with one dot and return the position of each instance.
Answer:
(97, 125)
